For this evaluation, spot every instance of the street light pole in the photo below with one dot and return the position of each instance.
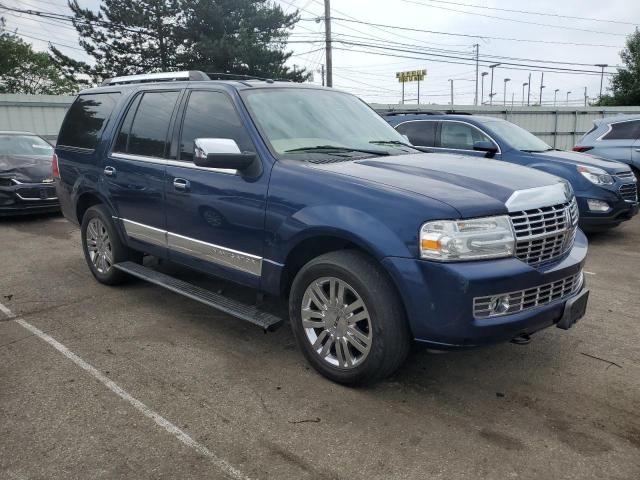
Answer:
(484, 74)
(529, 90)
(555, 94)
(491, 94)
(504, 95)
(541, 87)
(523, 85)
(327, 39)
(451, 91)
(602, 66)
(568, 93)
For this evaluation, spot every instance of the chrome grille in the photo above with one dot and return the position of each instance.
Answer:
(37, 193)
(629, 192)
(545, 234)
(625, 175)
(522, 300)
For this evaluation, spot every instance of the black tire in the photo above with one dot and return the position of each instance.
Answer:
(119, 251)
(390, 339)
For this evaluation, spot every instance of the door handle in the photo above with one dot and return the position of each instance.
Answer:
(637, 149)
(110, 171)
(181, 184)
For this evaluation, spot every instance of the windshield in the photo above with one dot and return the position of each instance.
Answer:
(296, 121)
(518, 137)
(24, 145)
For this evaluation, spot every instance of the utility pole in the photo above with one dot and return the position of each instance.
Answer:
(327, 39)
(484, 74)
(491, 93)
(451, 91)
(504, 95)
(529, 90)
(418, 92)
(322, 73)
(541, 86)
(477, 45)
(523, 85)
(602, 66)
(585, 96)
(555, 94)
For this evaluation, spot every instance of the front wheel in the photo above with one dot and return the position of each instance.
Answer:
(347, 318)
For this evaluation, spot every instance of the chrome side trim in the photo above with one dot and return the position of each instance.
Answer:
(148, 234)
(139, 158)
(215, 253)
(173, 163)
(539, 197)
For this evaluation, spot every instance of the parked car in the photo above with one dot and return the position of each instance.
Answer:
(26, 181)
(306, 194)
(614, 138)
(606, 190)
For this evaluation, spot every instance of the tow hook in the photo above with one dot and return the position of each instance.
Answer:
(522, 339)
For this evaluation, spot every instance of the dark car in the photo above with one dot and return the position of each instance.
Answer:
(26, 179)
(606, 190)
(307, 196)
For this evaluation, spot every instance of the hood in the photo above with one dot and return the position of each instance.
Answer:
(25, 168)
(575, 158)
(475, 187)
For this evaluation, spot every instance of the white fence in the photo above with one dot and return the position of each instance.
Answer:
(560, 127)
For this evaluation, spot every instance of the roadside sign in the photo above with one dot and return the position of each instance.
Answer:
(411, 76)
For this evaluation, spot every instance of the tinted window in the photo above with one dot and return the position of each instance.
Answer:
(420, 133)
(86, 119)
(211, 115)
(460, 136)
(624, 131)
(147, 133)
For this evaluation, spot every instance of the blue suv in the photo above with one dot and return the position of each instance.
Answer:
(606, 190)
(305, 194)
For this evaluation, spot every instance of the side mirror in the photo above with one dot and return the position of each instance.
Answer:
(488, 147)
(220, 153)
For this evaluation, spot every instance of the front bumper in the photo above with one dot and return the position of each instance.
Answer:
(439, 297)
(26, 198)
(621, 210)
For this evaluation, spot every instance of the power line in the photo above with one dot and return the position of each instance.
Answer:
(564, 27)
(397, 27)
(528, 12)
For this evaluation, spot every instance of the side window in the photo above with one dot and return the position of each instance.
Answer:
(624, 131)
(460, 135)
(86, 119)
(144, 129)
(420, 133)
(211, 115)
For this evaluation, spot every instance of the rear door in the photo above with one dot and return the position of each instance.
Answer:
(421, 133)
(134, 170)
(215, 218)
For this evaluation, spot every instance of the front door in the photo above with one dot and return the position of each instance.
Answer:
(459, 137)
(215, 218)
(135, 168)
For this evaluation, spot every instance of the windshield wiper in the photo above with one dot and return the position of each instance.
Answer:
(335, 148)
(398, 142)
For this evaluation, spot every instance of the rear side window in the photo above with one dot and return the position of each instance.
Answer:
(144, 129)
(624, 131)
(211, 115)
(420, 133)
(86, 120)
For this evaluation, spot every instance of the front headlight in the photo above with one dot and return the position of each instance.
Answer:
(475, 239)
(595, 175)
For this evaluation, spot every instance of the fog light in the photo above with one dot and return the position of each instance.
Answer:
(597, 205)
(499, 305)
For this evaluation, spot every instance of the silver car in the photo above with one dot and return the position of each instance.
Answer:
(614, 138)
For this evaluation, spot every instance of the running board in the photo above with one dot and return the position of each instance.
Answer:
(249, 313)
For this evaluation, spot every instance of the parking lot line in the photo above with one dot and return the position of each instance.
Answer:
(227, 469)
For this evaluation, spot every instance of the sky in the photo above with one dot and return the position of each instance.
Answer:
(577, 34)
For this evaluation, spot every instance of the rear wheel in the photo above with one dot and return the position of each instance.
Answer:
(348, 319)
(102, 246)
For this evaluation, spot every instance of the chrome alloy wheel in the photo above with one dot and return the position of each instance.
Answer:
(99, 245)
(336, 322)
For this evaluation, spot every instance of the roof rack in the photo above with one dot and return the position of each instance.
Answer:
(192, 75)
(392, 111)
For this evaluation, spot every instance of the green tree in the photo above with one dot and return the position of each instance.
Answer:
(136, 36)
(24, 71)
(625, 84)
